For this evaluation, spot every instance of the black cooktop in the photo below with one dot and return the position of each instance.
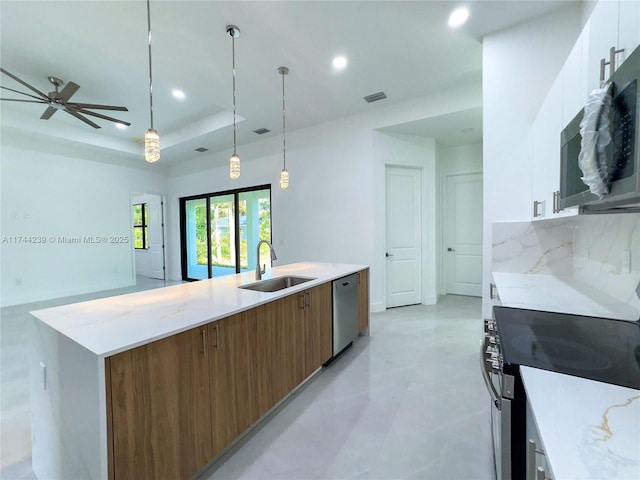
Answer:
(596, 348)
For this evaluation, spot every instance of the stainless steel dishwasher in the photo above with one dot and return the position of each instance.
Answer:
(345, 312)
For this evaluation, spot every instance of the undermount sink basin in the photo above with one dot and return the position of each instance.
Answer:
(276, 284)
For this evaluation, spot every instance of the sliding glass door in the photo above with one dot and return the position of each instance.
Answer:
(220, 232)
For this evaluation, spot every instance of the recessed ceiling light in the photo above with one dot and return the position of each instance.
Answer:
(179, 94)
(340, 62)
(458, 17)
(121, 126)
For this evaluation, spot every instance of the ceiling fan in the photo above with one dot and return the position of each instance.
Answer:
(59, 100)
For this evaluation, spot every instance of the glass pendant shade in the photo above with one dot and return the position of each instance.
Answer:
(234, 166)
(284, 179)
(151, 146)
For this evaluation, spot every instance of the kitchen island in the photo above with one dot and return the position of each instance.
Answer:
(157, 384)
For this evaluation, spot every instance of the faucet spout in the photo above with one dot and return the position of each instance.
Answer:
(260, 271)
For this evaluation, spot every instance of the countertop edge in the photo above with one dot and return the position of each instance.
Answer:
(48, 315)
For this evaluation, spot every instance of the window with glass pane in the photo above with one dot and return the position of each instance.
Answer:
(255, 225)
(196, 238)
(223, 238)
(220, 232)
(140, 231)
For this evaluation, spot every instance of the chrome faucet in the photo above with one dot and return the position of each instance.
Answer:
(260, 271)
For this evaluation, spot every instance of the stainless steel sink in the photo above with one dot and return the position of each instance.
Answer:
(276, 284)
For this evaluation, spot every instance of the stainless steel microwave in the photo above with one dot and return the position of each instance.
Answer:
(622, 153)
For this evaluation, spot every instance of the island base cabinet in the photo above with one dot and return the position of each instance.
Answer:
(234, 369)
(318, 326)
(280, 351)
(159, 414)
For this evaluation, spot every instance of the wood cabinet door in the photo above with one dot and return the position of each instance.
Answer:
(363, 299)
(280, 349)
(234, 385)
(318, 327)
(158, 411)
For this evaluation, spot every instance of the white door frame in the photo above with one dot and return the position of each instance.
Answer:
(442, 290)
(163, 203)
(406, 299)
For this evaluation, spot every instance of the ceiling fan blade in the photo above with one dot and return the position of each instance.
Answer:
(81, 118)
(24, 83)
(104, 117)
(22, 93)
(20, 100)
(97, 107)
(47, 113)
(67, 92)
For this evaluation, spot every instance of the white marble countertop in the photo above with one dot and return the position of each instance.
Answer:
(559, 294)
(590, 430)
(111, 325)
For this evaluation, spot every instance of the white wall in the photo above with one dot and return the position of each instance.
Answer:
(518, 67)
(451, 160)
(50, 196)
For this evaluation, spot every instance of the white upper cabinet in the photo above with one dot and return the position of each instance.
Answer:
(603, 34)
(628, 28)
(545, 139)
(612, 25)
(574, 78)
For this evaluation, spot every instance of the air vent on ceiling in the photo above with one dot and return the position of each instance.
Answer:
(261, 131)
(201, 149)
(374, 97)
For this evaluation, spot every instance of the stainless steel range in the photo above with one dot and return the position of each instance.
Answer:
(599, 349)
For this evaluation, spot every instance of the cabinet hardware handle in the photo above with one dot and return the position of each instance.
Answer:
(203, 334)
(307, 302)
(217, 337)
(301, 301)
(358, 278)
(541, 474)
(536, 204)
(613, 51)
(556, 202)
(491, 291)
(531, 454)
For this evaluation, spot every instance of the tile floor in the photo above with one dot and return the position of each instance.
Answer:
(407, 402)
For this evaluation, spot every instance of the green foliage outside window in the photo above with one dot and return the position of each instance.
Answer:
(140, 230)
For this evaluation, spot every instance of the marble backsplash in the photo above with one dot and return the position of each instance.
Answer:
(589, 249)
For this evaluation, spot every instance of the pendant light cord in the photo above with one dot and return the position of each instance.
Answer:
(150, 70)
(284, 142)
(233, 63)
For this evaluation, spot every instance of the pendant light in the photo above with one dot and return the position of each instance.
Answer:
(234, 161)
(151, 137)
(284, 174)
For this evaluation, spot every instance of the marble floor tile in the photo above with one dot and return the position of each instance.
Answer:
(407, 402)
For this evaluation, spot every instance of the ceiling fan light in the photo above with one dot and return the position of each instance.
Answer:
(234, 167)
(284, 179)
(151, 146)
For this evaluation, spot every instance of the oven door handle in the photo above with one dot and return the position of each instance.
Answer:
(495, 397)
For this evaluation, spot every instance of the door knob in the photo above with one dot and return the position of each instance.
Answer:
(388, 254)
(451, 249)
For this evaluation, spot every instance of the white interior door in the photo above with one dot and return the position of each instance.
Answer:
(463, 234)
(156, 238)
(403, 223)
